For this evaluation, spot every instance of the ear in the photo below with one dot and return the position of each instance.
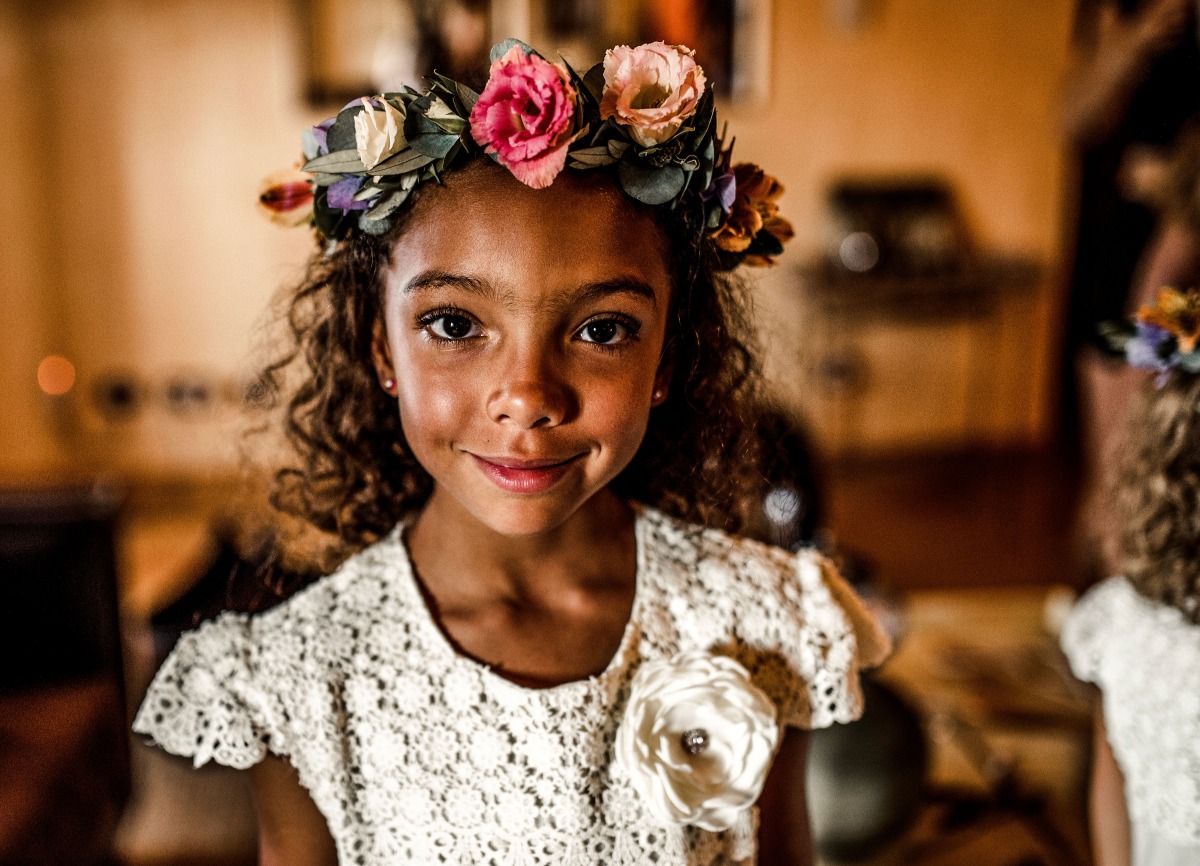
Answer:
(381, 353)
(662, 383)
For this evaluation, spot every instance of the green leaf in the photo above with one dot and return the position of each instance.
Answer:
(308, 144)
(341, 134)
(594, 82)
(372, 226)
(591, 157)
(467, 96)
(388, 204)
(617, 147)
(322, 178)
(715, 216)
(403, 162)
(651, 185)
(436, 146)
(341, 161)
(368, 192)
(502, 48)
(1190, 361)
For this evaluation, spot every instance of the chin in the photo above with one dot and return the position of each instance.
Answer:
(518, 516)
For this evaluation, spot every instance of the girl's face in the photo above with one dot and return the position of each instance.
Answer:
(524, 330)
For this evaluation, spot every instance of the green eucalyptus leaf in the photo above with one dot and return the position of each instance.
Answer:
(322, 178)
(593, 81)
(617, 147)
(502, 48)
(436, 146)
(340, 161)
(388, 204)
(341, 135)
(403, 162)
(651, 185)
(368, 192)
(308, 144)
(591, 157)
(375, 227)
(715, 217)
(330, 222)
(466, 96)
(1190, 361)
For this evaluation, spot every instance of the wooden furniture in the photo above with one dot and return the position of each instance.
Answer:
(903, 364)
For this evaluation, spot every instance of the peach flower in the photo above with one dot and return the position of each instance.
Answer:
(651, 90)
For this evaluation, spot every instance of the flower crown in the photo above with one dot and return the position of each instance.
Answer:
(645, 110)
(1163, 337)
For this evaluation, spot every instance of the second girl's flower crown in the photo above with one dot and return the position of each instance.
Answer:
(645, 110)
(1163, 337)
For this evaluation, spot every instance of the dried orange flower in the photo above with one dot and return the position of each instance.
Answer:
(1178, 313)
(755, 212)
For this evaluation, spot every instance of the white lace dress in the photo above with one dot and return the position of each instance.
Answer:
(417, 754)
(1145, 658)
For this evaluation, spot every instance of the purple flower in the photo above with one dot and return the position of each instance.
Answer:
(320, 133)
(1145, 348)
(723, 186)
(341, 195)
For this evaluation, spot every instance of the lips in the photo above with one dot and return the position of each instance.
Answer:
(521, 475)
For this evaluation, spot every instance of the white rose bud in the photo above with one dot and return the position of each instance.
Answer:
(378, 132)
(697, 739)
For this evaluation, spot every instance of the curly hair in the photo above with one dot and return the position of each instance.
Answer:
(1156, 494)
(354, 477)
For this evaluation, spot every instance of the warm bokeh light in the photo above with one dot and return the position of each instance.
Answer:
(56, 375)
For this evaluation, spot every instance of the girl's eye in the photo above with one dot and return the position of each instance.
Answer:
(449, 326)
(607, 332)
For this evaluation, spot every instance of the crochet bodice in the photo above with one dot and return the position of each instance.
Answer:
(1145, 658)
(417, 754)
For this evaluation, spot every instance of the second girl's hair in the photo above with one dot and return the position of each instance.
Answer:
(1156, 493)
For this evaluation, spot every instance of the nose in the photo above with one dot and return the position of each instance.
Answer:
(530, 396)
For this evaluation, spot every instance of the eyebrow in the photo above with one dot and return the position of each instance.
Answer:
(584, 294)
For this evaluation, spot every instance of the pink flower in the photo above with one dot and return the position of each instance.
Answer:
(651, 89)
(525, 116)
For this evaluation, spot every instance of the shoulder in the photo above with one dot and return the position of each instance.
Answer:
(789, 617)
(242, 684)
(804, 587)
(1114, 629)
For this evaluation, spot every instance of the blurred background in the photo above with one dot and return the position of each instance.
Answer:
(922, 338)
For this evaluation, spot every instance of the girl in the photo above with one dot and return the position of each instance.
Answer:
(522, 378)
(1137, 636)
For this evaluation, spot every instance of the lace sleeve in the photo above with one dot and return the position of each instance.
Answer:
(204, 702)
(1086, 631)
(814, 637)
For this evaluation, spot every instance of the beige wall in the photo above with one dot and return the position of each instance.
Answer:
(138, 131)
(968, 89)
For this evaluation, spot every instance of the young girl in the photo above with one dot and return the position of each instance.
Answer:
(525, 405)
(1137, 636)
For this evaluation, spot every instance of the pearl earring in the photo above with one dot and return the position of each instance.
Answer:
(657, 395)
(389, 385)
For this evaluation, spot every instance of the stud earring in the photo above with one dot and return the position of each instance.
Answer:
(657, 395)
(389, 385)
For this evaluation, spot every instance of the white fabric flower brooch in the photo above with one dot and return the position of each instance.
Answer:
(697, 739)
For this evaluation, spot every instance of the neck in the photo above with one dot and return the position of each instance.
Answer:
(451, 547)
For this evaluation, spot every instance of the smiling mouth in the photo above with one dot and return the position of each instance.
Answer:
(516, 475)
